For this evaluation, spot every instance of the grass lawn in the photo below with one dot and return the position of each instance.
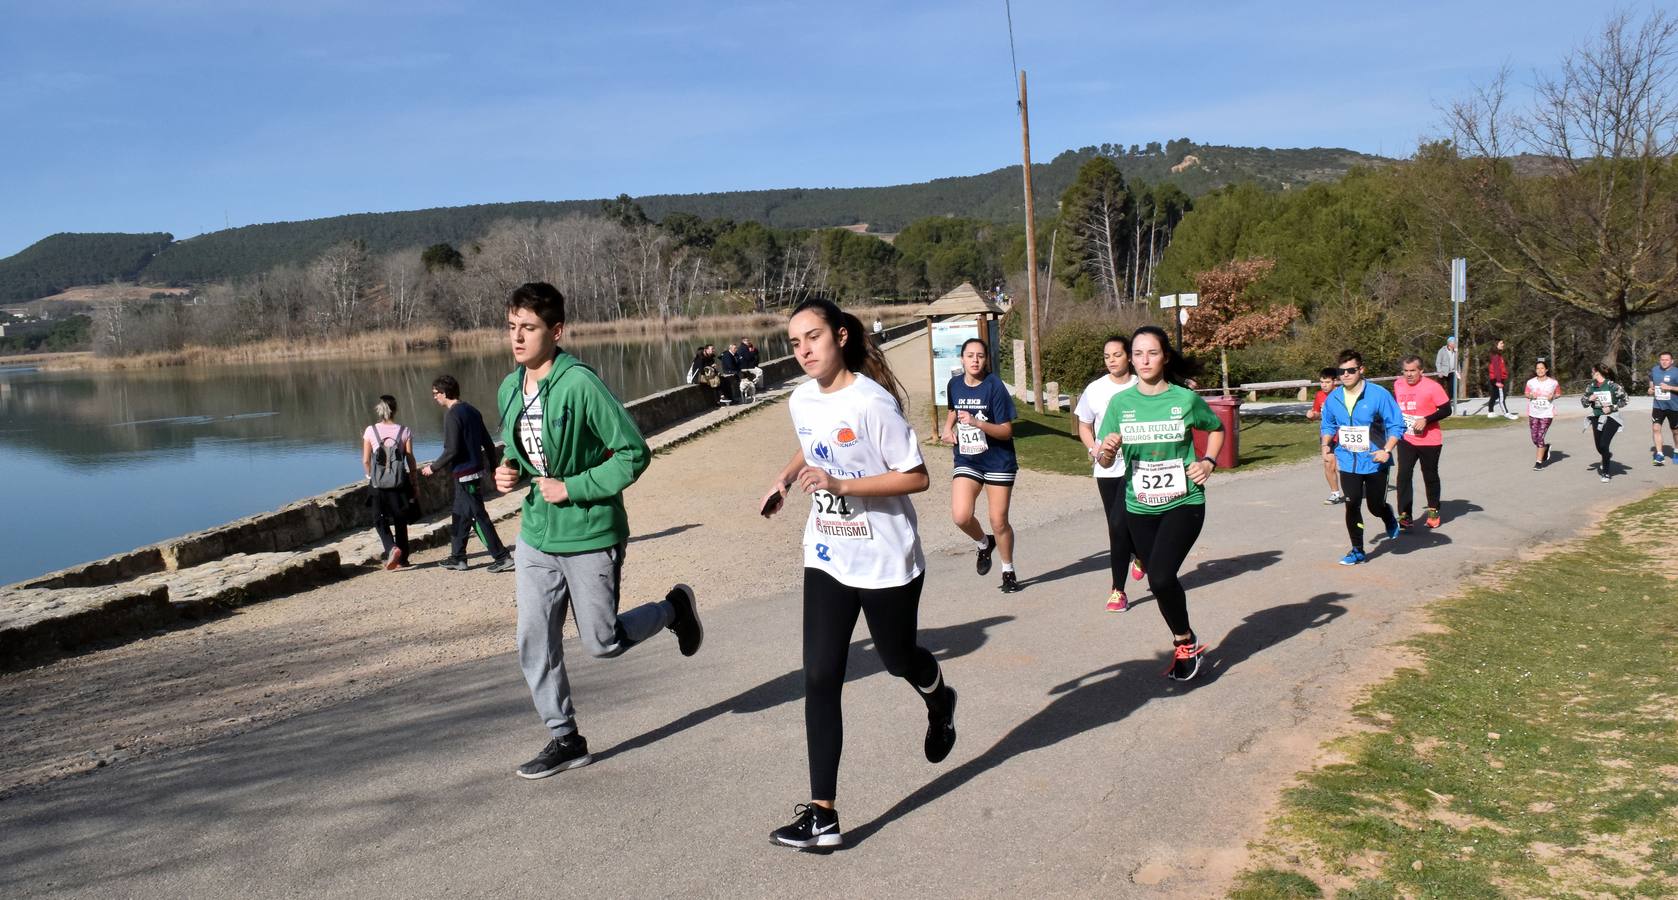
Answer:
(1532, 753)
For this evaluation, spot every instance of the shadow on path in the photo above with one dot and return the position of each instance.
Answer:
(945, 643)
(1109, 694)
(674, 529)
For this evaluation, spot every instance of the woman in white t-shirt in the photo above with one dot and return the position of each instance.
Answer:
(859, 461)
(1110, 480)
(1542, 391)
(390, 447)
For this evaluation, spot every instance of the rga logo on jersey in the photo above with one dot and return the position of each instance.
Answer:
(844, 436)
(821, 451)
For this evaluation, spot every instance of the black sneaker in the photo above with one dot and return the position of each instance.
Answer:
(1185, 662)
(455, 563)
(814, 828)
(569, 752)
(941, 726)
(984, 555)
(1010, 583)
(504, 564)
(685, 624)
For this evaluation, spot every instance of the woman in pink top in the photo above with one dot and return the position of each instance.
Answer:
(1423, 403)
(1542, 391)
(387, 456)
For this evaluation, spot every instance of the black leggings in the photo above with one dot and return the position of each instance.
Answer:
(1162, 542)
(1118, 535)
(830, 610)
(1371, 488)
(1604, 436)
(1408, 454)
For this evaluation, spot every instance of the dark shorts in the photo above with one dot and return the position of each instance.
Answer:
(1669, 416)
(1005, 479)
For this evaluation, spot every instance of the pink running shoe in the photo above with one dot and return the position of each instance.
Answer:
(1116, 601)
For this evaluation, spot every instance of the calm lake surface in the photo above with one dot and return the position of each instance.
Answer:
(98, 463)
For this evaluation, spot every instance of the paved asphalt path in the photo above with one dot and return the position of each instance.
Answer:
(1079, 770)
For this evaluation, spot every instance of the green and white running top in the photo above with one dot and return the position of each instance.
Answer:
(1158, 445)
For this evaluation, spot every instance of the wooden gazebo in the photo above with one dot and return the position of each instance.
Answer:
(963, 300)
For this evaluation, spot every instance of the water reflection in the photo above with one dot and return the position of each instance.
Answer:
(98, 463)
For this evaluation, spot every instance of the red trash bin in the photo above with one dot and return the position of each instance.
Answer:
(1228, 411)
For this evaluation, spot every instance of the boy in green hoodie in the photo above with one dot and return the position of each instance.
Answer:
(582, 450)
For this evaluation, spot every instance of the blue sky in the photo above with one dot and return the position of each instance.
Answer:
(185, 115)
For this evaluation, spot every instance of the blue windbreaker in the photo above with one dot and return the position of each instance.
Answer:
(1375, 408)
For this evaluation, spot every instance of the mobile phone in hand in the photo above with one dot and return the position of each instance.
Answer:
(771, 506)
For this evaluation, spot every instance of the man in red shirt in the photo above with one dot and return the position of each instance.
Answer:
(1331, 469)
(1423, 403)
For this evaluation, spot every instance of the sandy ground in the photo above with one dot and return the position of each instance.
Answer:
(693, 520)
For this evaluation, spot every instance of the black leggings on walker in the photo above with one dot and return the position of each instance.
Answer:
(1118, 534)
(1360, 489)
(1162, 542)
(1408, 455)
(830, 611)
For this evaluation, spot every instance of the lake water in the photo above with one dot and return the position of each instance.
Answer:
(98, 463)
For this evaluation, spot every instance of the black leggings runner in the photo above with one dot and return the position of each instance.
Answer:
(1604, 435)
(1118, 534)
(830, 611)
(1162, 542)
(1408, 454)
(1371, 488)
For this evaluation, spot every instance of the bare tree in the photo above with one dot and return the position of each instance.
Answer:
(342, 276)
(1576, 198)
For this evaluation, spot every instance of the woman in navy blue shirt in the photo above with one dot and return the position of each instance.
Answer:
(981, 426)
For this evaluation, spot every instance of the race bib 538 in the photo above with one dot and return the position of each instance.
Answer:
(1354, 438)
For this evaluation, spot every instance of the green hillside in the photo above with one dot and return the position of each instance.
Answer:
(62, 261)
(65, 260)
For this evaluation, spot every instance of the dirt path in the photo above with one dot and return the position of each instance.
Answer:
(693, 520)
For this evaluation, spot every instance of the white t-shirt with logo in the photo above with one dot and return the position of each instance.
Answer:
(530, 432)
(858, 432)
(1092, 407)
(1542, 404)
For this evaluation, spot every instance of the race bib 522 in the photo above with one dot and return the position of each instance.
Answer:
(1158, 482)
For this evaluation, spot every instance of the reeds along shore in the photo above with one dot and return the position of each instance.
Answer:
(431, 340)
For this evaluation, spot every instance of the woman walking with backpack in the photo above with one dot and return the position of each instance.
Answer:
(387, 456)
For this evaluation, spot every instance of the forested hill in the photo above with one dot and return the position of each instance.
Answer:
(65, 260)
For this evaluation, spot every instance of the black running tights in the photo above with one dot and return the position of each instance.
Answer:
(1604, 436)
(1162, 542)
(1408, 454)
(1360, 489)
(830, 611)
(1118, 535)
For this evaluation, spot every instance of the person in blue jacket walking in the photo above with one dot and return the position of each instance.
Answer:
(1361, 425)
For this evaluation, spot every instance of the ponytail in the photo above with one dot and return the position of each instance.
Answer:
(859, 352)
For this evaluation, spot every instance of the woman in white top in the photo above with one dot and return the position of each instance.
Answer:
(1542, 391)
(859, 461)
(1110, 480)
(389, 448)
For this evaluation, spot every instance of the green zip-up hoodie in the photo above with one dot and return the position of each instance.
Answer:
(591, 444)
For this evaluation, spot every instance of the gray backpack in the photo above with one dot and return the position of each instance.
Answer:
(390, 461)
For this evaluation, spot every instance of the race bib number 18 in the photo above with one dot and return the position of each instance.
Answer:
(835, 518)
(1158, 482)
(1354, 438)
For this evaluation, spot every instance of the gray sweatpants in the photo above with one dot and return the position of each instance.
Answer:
(589, 581)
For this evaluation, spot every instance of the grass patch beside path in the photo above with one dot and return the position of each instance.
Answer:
(1534, 753)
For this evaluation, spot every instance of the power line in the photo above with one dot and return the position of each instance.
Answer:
(1014, 87)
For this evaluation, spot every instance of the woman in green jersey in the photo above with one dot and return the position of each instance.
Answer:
(1165, 505)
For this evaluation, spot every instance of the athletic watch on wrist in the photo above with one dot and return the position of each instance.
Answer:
(1210, 460)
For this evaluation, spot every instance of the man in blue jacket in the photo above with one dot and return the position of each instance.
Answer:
(1361, 425)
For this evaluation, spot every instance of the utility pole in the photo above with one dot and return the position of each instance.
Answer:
(1031, 257)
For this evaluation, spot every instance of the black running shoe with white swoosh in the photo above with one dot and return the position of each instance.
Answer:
(814, 828)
